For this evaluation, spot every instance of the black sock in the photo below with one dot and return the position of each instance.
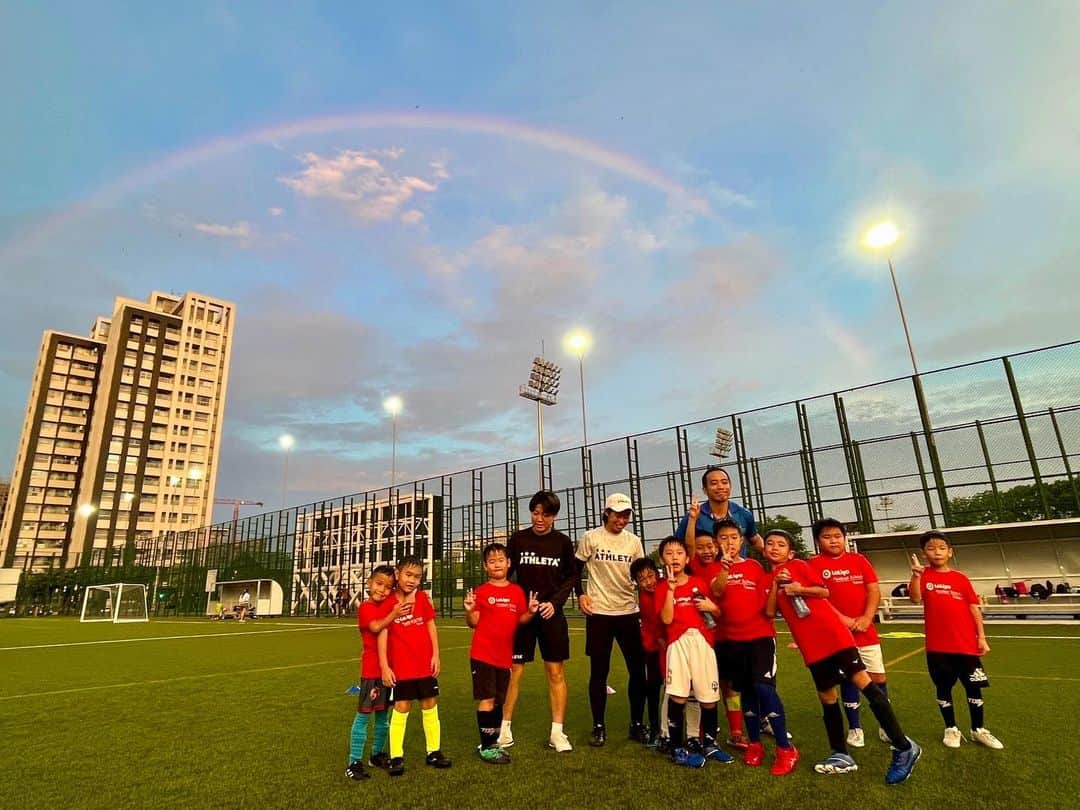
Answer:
(676, 723)
(652, 700)
(489, 722)
(883, 711)
(944, 702)
(710, 718)
(975, 706)
(833, 716)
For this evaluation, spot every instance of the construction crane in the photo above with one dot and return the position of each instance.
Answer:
(236, 504)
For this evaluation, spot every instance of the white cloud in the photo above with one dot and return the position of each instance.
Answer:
(238, 230)
(412, 217)
(275, 211)
(370, 190)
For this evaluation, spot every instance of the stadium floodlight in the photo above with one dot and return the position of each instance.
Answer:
(724, 441)
(393, 406)
(579, 342)
(286, 442)
(116, 602)
(543, 389)
(882, 237)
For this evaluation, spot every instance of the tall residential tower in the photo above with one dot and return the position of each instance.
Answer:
(122, 433)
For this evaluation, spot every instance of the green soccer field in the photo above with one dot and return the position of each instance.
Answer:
(202, 714)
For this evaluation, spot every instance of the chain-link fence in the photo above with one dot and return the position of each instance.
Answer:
(989, 442)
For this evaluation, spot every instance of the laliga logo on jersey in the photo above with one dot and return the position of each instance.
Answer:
(491, 600)
(930, 586)
(826, 574)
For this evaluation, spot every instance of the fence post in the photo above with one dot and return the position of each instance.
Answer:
(922, 478)
(931, 447)
(1065, 458)
(1028, 444)
(989, 470)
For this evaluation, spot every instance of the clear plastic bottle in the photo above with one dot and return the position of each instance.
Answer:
(710, 622)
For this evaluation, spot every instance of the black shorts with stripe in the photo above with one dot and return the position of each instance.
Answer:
(828, 673)
(489, 681)
(948, 668)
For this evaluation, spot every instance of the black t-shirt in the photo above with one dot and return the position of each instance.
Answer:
(543, 563)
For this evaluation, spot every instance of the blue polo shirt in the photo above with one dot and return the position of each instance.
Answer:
(705, 522)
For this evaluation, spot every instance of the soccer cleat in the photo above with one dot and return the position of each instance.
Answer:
(638, 733)
(856, 738)
(754, 754)
(953, 737)
(714, 752)
(766, 728)
(494, 756)
(599, 736)
(653, 740)
(687, 759)
(436, 760)
(560, 742)
(881, 735)
(785, 762)
(738, 742)
(693, 745)
(506, 737)
(663, 746)
(396, 766)
(836, 763)
(357, 771)
(903, 763)
(380, 760)
(354, 690)
(983, 737)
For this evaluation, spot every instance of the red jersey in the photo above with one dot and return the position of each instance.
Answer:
(408, 644)
(846, 577)
(947, 598)
(500, 609)
(820, 634)
(742, 606)
(367, 613)
(652, 629)
(687, 615)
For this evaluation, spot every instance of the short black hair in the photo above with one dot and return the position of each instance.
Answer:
(492, 548)
(409, 562)
(546, 499)
(827, 523)
(387, 570)
(640, 564)
(781, 533)
(667, 541)
(709, 471)
(726, 523)
(933, 534)
(700, 532)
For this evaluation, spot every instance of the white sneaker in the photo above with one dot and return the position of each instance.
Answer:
(856, 738)
(953, 737)
(560, 742)
(609, 690)
(506, 738)
(984, 737)
(881, 735)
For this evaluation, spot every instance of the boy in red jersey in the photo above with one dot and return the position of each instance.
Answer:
(955, 636)
(645, 574)
(495, 609)
(691, 663)
(409, 659)
(828, 648)
(855, 593)
(747, 656)
(374, 614)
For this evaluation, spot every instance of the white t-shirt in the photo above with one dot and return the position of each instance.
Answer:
(607, 559)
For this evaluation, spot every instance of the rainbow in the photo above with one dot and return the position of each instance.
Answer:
(216, 148)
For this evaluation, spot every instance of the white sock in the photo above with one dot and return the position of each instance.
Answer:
(506, 725)
(556, 728)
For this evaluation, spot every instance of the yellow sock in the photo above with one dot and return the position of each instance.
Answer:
(733, 703)
(397, 733)
(432, 729)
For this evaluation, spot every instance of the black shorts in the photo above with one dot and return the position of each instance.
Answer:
(725, 667)
(750, 662)
(601, 632)
(374, 696)
(415, 689)
(948, 668)
(553, 635)
(489, 681)
(830, 672)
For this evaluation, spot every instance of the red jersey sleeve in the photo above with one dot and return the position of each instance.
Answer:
(366, 614)
(424, 608)
(869, 574)
(969, 592)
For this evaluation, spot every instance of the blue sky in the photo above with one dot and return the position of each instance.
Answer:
(405, 199)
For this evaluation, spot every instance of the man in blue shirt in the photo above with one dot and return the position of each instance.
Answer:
(717, 486)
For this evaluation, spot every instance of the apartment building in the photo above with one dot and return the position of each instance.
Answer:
(122, 431)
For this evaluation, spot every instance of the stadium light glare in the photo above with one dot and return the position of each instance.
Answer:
(286, 442)
(578, 342)
(393, 406)
(881, 236)
(87, 509)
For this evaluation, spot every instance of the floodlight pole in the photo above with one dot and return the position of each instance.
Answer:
(903, 317)
(540, 439)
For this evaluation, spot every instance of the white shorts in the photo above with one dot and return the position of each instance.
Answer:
(872, 657)
(691, 668)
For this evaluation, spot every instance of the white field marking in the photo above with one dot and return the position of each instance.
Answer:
(997, 676)
(160, 681)
(246, 634)
(889, 664)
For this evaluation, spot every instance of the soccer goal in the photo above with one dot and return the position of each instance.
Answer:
(116, 602)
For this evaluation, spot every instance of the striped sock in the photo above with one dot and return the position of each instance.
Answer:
(358, 737)
(382, 731)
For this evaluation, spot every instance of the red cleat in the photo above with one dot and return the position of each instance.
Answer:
(754, 754)
(738, 742)
(785, 762)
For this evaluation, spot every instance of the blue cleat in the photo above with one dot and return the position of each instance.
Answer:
(712, 751)
(354, 690)
(687, 759)
(903, 763)
(837, 763)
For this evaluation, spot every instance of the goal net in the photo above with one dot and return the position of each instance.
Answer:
(117, 602)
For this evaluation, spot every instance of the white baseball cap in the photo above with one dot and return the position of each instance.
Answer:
(618, 502)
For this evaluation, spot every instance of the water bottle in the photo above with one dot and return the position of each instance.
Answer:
(802, 610)
(710, 622)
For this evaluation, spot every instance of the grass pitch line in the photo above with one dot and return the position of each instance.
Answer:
(162, 638)
(904, 657)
